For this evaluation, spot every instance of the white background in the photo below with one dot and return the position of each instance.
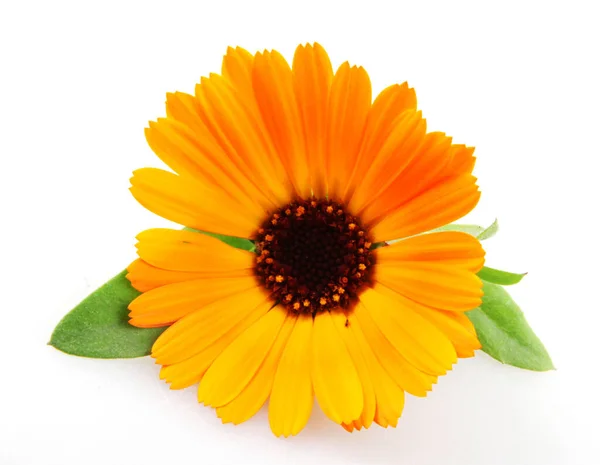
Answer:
(79, 82)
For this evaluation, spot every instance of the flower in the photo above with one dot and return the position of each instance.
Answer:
(301, 161)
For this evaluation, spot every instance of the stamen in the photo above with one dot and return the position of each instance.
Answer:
(313, 256)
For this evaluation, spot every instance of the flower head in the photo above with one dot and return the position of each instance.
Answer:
(302, 161)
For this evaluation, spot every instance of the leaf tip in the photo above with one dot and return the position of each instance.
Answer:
(489, 232)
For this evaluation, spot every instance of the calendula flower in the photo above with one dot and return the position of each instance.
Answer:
(302, 161)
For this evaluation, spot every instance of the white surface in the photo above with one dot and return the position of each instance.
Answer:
(78, 84)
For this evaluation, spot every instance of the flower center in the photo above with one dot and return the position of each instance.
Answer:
(313, 256)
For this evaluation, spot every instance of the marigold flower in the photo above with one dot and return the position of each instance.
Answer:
(302, 161)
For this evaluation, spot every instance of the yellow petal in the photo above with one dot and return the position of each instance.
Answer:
(342, 324)
(170, 249)
(436, 270)
(455, 326)
(417, 340)
(185, 201)
(234, 368)
(390, 403)
(437, 285)
(252, 398)
(335, 379)
(191, 370)
(389, 396)
(167, 304)
(292, 395)
(448, 247)
(403, 373)
(237, 69)
(198, 330)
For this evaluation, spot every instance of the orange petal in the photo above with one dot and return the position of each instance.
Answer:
(198, 330)
(145, 277)
(187, 145)
(170, 249)
(184, 201)
(236, 366)
(348, 107)
(403, 177)
(184, 373)
(167, 304)
(433, 161)
(396, 153)
(443, 203)
(404, 374)
(273, 86)
(417, 340)
(312, 80)
(233, 122)
(335, 378)
(461, 160)
(252, 398)
(292, 394)
(237, 69)
(381, 120)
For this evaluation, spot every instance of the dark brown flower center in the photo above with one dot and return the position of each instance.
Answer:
(313, 256)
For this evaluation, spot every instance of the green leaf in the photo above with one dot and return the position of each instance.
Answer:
(98, 327)
(376, 245)
(479, 232)
(504, 278)
(504, 332)
(471, 229)
(237, 242)
(488, 232)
